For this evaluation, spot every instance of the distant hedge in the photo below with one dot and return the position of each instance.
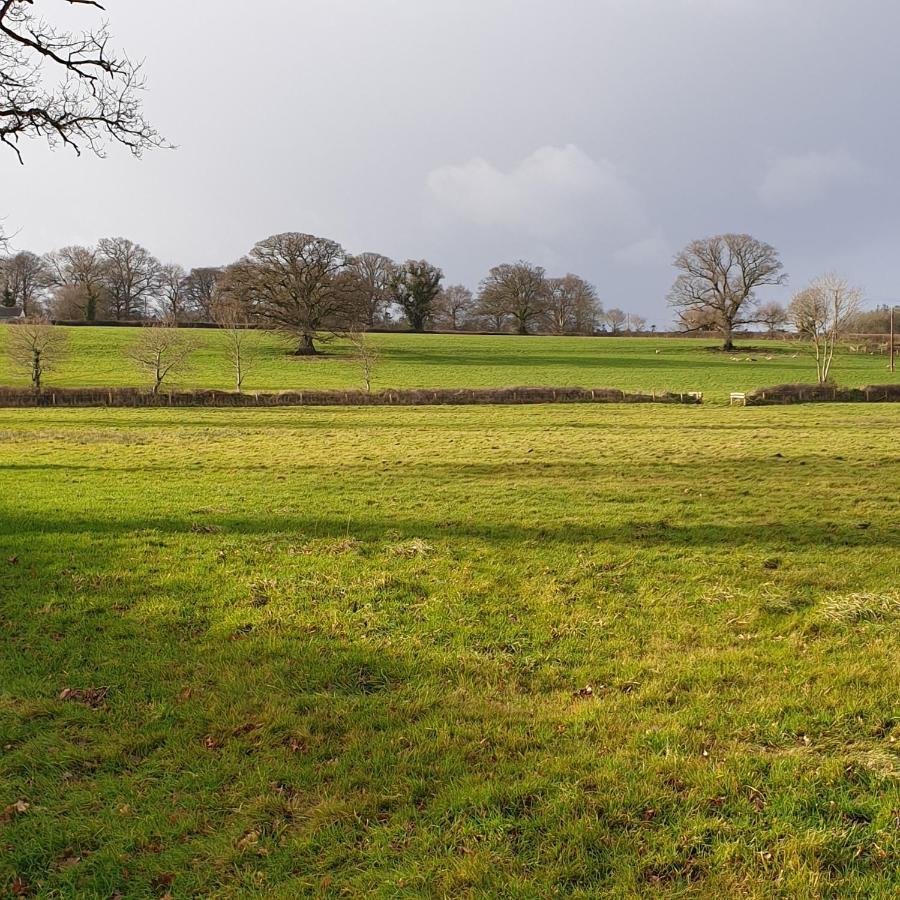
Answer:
(24, 397)
(823, 393)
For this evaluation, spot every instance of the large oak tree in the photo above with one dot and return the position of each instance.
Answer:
(572, 306)
(299, 284)
(719, 279)
(132, 275)
(517, 290)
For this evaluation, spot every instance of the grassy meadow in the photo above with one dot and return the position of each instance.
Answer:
(454, 652)
(99, 358)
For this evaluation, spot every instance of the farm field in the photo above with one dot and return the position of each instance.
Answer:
(98, 358)
(512, 652)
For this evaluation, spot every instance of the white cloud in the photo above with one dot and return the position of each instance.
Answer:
(650, 251)
(796, 181)
(554, 191)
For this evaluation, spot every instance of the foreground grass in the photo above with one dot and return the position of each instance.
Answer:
(99, 358)
(450, 652)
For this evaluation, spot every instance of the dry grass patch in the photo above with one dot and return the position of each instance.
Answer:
(862, 608)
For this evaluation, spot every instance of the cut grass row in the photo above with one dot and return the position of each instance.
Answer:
(98, 358)
(521, 652)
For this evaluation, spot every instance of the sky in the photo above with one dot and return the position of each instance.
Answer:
(588, 136)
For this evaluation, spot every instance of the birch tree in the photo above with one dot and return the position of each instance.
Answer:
(822, 313)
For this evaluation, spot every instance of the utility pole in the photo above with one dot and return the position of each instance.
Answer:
(891, 342)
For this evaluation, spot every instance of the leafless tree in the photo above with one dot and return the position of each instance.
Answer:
(77, 275)
(615, 319)
(822, 313)
(872, 321)
(572, 306)
(415, 288)
(365, 354)
(162, 349)
(171, 292)
(243, 340)
(636, 324)
(23, 280)
(200, 291)
(67, 87)
(490, 315)
(132, 277)
(519, 290)
(36, 347)
(373, 275)
(774, 316)
(719, 278)
(298, 283)
(453, 307)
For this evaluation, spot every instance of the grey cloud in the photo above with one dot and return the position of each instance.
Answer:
(794, 181)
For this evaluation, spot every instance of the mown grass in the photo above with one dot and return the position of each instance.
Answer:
(99, 358)
(511, 652)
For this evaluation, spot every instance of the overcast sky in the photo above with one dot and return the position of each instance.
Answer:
(593, 136)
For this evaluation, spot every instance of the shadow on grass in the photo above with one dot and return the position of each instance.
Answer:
(238, 740)
(637, 533)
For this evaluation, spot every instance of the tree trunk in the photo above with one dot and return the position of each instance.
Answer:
(728, 340)
(307, 347)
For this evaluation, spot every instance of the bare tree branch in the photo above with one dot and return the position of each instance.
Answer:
(68, 87)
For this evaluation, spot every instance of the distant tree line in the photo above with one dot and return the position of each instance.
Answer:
(306, 285)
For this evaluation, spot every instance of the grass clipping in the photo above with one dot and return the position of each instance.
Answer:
(862, 608)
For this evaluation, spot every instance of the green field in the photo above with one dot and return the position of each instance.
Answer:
(453, 652)
(98, 358)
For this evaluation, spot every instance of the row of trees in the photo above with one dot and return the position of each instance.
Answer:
(819, 313)
(304, 284)
(116, 279)
(160, 349)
